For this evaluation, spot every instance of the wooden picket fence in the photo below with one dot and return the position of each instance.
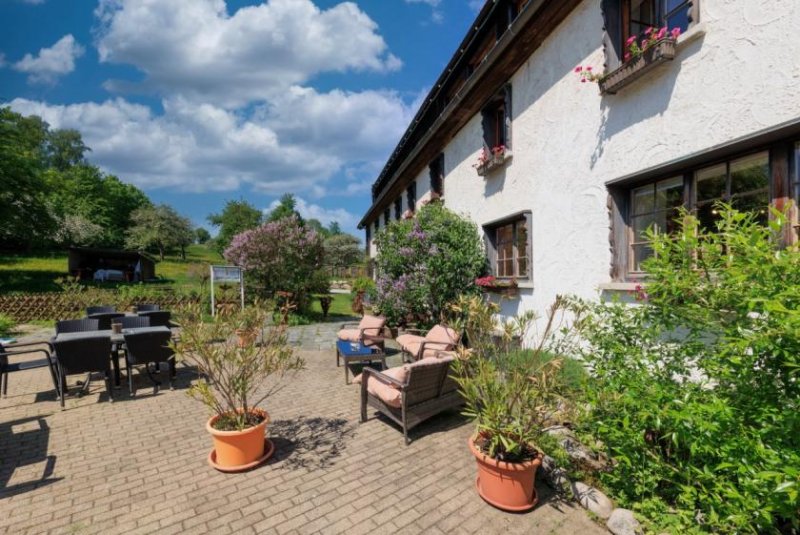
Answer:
(56, 306)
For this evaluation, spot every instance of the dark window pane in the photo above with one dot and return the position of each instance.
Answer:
(668, 221)
(505, 234)
(640, 226)
(749, 174)
(708, 217)
(523, 267)
(757, 204)
(679, 19)
(640, 254)
(711, 183)
(644, 11)
(643, 200)
(672, 4)
(669, 193)
(522, 238)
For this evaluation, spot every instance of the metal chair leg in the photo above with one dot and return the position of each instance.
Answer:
(129, 372)
(109, 387)
(4, 383)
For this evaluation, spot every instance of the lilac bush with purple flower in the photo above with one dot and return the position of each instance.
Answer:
(426, 263)
(283, 256)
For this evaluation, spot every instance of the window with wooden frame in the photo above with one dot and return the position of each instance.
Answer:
(653, 206)
(398, 208)
(509, 247)
(369, 240)
(436, 172)
(387, 217)
(497, 121)
(377, 225)
(411, 196)
(626, 18)
(744, 183)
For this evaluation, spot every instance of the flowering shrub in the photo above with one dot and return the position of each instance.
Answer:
(281, 256)
(426, 263)
(634, 47)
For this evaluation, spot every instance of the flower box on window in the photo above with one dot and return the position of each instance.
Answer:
(636, 67)
(489, 161)
(490, 284)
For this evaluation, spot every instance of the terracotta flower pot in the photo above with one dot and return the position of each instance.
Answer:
(507, 486)
(235, 449)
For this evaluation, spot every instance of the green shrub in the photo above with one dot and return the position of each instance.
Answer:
(696, 393)
(6, 324)
(425, 263)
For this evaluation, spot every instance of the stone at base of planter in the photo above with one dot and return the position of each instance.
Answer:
(592, 499)
(622, 522)
(553, 475)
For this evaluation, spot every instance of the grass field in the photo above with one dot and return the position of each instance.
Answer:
(38, 273)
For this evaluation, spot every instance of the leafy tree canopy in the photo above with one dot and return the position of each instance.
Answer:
(160, 228)
(235, 218)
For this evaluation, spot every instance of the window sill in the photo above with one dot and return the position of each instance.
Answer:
(507, 291)
(493, 164)
(620, 286)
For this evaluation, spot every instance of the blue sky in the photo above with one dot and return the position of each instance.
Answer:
(201, 101)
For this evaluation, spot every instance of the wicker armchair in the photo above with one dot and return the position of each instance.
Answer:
(427, 391)
(369, 331)
(27, 348)
(439, 338)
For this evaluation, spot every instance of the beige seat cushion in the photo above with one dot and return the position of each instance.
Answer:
(352, 335)
(389, 394)
(442, 335)
(373, 324)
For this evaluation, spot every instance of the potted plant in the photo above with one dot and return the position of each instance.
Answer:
(233, 382)
(490, 283)
(509, 399)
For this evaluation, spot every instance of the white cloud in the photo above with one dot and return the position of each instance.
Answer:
(2, 60)
(197, 49)
(297, 146)
(325, 216)
(436, 14)
(52, 62)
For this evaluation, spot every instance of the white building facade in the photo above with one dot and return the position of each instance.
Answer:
(583, 170)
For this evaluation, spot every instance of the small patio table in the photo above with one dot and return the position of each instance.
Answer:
(357, 352)
(116, 338)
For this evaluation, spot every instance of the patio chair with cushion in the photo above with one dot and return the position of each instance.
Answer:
(439, 338)
(144, 348)
(368, 331)
(98, 309)
(158, 318)
(134, 322)
(7, 350)
(105, 319)
(87, 354)
(410, 394)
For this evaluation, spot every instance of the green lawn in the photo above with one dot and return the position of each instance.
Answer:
(38, 273)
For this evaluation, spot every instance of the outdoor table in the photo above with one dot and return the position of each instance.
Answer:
(116, 338)
(357, 352)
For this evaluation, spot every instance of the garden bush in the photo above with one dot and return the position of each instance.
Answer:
(695, 391)
(6, 324)
(282, 256)
(425, 263)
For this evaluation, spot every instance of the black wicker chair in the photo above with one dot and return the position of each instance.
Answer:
(147, 307)
(77, 326)
(99, 309)
(105, 319)
(143, 348)
(134, 322)
(16, 349)
(158, 318)
(87, 354)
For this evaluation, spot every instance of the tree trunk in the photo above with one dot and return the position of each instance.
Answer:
(161, 253)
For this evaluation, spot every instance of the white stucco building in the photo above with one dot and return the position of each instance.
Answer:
(585, 170)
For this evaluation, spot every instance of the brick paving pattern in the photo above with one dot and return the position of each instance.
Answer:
(139, 465)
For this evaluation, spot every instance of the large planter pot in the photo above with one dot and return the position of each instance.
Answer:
(507, 486)
(239, 450)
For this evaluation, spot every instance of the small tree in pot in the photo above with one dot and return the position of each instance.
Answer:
(237, 379)
(511, 395)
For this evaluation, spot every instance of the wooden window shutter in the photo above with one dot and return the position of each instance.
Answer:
(612, 33)
(488, 129)
(507, 109)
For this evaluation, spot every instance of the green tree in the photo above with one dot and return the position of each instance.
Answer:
(334, 228)
(25, 219)
(235, 218)
(159, 228)
(343, 250)
(65, 148)
(201, 235)
(287, 207)
(316, 225)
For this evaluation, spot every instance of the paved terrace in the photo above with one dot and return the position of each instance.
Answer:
(139, 465)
